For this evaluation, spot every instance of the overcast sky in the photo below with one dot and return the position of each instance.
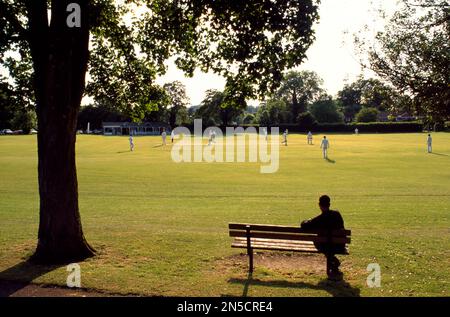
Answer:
(332, 55)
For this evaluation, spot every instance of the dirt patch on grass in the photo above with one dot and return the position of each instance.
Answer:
(301, 273)
(281, 262)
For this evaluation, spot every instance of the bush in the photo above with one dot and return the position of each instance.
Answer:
(248, 118)
(24, 120)
(439, 126)
(306, 121)
(263, 118)
(325, 111)
(367, 115)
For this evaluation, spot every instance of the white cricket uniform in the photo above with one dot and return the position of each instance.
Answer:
(325, 145)
(210, 138)
(284, 138)
(164, 135)
(309, 138)
(172, 135)
(429, 143)
(356, 131)
(131, 143)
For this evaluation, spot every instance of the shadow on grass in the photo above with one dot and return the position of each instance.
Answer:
(336, 289)
(330, 161)
(20, 275)
(440, 154)
(124, 152)
(159, 145)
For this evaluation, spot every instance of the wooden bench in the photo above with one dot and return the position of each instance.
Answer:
(283, 238)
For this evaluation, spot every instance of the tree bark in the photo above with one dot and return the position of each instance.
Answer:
(60, 57)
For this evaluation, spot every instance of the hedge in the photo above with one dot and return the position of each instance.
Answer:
(374, 127)
(370, 127)
(447, 126)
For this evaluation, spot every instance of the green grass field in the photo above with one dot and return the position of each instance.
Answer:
(160, 228)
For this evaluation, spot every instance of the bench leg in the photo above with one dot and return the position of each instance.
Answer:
(328, 264)
(249, 249)
(250, 259)
(333, 264)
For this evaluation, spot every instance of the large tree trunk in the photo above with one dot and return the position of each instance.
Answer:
(60, 58)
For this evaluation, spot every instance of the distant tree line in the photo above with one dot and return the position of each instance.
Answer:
(301, 99)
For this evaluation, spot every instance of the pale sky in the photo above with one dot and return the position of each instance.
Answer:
(332, 55)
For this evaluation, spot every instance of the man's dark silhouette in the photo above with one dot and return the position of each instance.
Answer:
(328, 220)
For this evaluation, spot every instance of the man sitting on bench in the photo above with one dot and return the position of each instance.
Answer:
(328, 220)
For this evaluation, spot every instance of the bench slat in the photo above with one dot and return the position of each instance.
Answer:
(305, 244)
(277, 247)
(280, 249)
(280, 243)
(287, 236)
(288, 249)
(287, 229)
(275, 241)
(293, 246)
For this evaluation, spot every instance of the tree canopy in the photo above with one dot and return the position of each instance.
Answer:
(371, 93)
(300, 88)
(326, 111)
(274, 111)
(249, 43)
(367, 115)
(214, 111)
(413, 54)
(178, 102)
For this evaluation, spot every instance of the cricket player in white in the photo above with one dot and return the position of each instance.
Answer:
(210, 138)
(265, 133)
(213, 136)
(325, 145)
(172, 135)
(429, 143)
(356, 131)
(285, 133)
(164, 135)
(309, 137)
(131, 143)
